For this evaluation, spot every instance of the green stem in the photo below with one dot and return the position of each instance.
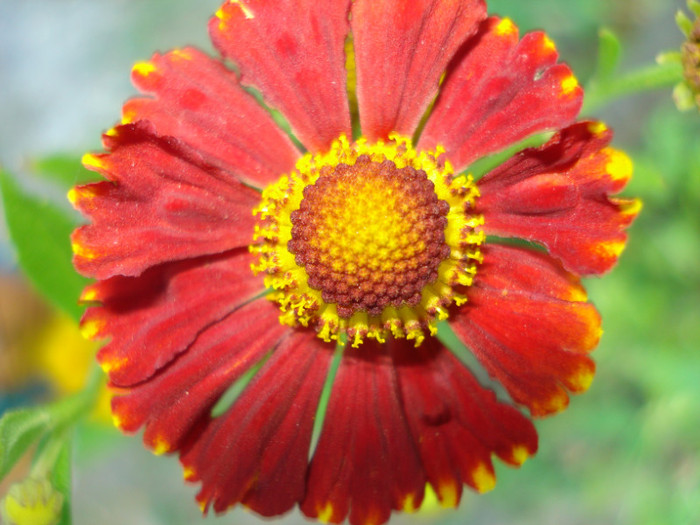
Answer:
(599, 93)
(45, 462)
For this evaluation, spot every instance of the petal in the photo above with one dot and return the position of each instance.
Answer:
(161, 204)
(528, 322)
(366, 462)
(499, 90)
(558, 195)
(257, 452)
(456, 423)
(150, 319)
(199, 101)
(182, 394)
(293, 51)
(401, 50)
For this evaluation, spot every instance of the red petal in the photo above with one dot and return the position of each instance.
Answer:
(162, 204)
(293, 52)
(456, 423)
(200, 102)
(366, 462)
(171, 403)
(257, 452)
(401, 50)
(152, 318)
(498, 91)
(528, 323)
(559, 195)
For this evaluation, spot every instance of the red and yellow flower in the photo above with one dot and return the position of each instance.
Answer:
(224, 247)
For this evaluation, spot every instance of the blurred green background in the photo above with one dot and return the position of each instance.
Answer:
(625, 453)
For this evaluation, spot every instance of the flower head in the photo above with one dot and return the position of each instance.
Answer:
(224, 246)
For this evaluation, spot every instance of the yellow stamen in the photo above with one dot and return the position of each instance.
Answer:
(339, 237)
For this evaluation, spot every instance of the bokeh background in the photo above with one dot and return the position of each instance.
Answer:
(625, 453)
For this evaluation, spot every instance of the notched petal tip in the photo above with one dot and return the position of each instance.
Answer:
(560, 195)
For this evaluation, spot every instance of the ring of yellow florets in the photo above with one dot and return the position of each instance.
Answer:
(369, 240)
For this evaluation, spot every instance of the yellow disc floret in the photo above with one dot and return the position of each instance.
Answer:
(371, 240)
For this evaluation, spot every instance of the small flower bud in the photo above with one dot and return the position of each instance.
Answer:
(31, 502)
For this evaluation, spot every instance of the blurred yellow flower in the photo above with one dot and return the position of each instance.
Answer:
(64, 358)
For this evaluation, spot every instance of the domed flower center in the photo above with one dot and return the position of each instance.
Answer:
(370, 235)
(368, 240)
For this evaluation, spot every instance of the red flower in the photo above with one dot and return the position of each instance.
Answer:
(371, 240)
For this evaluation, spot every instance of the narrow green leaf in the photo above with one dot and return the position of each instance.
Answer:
(609, 52)
(485, 164)
(61, 479)
(694, 6)
(19, 429)
(41, 232)
(683, 22)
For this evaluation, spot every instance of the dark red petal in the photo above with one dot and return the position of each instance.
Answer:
(401, 50)
(499, 90)
(528, 322)
(293, 51)
(152, 318)
(455, 422)
(558, 195)
(172, 402)
(161, 205)
(366, 462)
(199, 101)
(257, 452)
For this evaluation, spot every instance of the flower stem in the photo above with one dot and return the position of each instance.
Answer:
(599, 93)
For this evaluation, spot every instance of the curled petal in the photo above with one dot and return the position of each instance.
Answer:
(181, 395)
(161, 204)
(200, 101)
(401, 50)
(366, 463)
(293, 51)
(455, 422)
(257, 452)
(558, 195)
(499, 90)
(152, 318)
(528, 322)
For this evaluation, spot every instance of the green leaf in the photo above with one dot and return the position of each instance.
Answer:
(20, 429)
(609, 51)
(64, 170)
(694, 6)
(683, 22)
(41, 232)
